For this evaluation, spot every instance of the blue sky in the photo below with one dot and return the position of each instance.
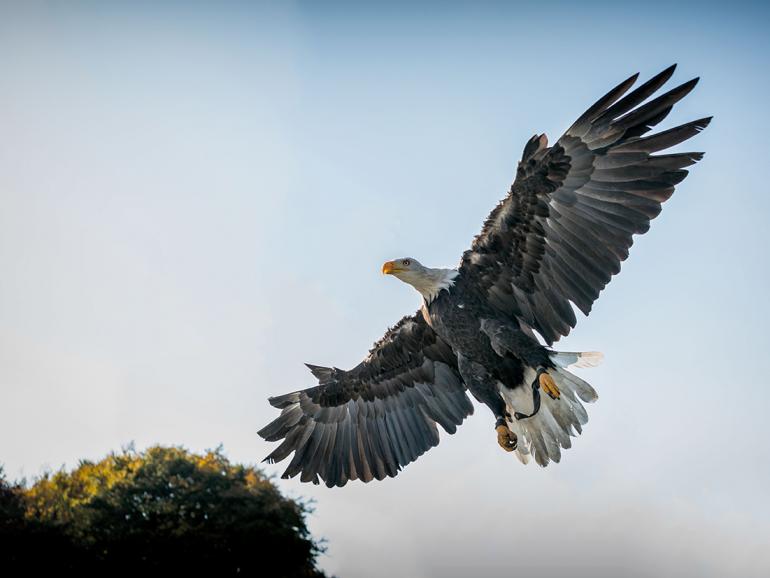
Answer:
(197, 198)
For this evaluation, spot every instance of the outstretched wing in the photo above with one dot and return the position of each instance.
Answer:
(568, 221)
(371, 421)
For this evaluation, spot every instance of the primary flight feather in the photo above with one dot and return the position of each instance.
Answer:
(556, 240)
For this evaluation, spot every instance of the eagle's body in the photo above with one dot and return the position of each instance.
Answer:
(555, 241)
(457, 315)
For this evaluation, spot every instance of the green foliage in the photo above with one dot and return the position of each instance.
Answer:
(163, 509)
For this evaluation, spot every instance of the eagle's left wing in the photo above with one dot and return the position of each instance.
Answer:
(374, 419)
(569, 219)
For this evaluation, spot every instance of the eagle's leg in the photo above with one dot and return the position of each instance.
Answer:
(481, 384)
(505, 437)
(547, 384)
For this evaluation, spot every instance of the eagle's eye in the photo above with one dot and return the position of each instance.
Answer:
(406, 262)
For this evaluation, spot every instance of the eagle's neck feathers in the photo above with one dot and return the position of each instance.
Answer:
(431, 282)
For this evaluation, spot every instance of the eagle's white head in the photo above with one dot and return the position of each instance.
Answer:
(429, 282)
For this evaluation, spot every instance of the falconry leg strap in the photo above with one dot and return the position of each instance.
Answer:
(542, 379)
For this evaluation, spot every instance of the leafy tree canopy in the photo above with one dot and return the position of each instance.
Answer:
(162, 509)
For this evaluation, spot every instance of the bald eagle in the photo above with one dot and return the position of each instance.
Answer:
(554, 241)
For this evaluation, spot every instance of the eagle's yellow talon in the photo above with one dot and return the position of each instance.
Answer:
(506, 438)
(548, 385)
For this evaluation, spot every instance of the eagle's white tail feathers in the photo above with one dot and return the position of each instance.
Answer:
(545, 434)
(568, 359)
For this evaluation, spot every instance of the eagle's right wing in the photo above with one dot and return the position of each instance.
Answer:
(374, 419)
(569, 219)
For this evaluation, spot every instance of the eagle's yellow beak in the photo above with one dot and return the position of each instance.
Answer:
(389, 267)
